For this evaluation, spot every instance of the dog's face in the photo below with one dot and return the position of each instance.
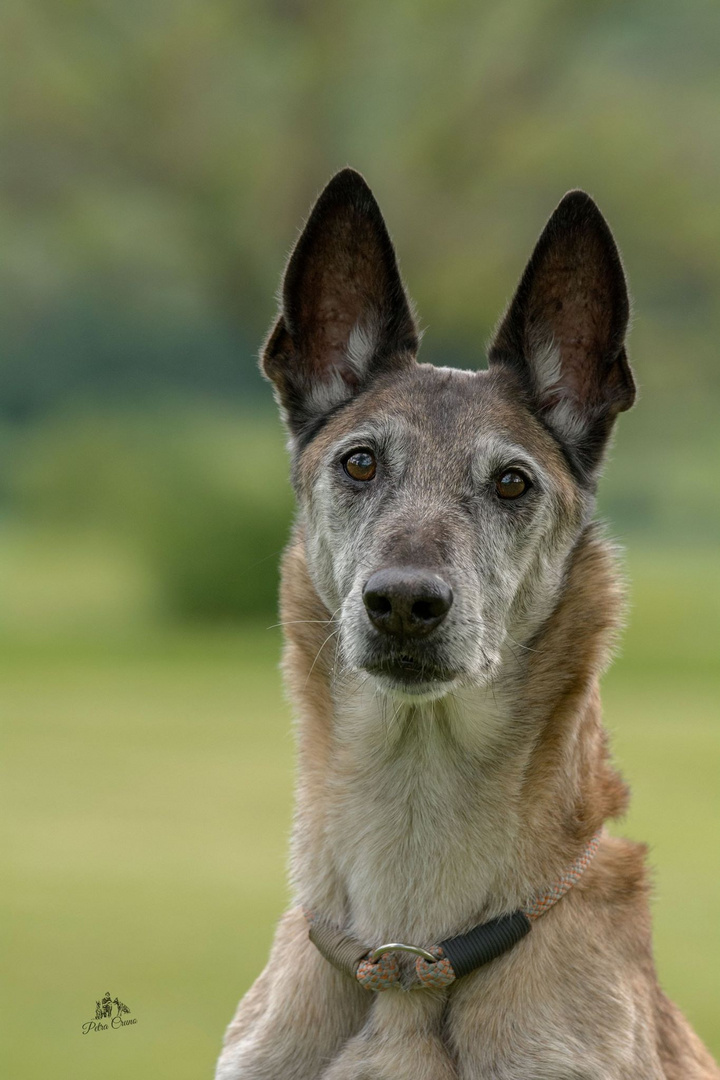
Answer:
(439, 506)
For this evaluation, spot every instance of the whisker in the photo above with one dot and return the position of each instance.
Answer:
(520, 644)
(298, 622)
(317, 654)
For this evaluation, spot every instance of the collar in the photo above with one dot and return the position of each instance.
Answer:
(440, 965)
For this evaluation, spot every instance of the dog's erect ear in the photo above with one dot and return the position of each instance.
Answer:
(564, 330)
(344, 315)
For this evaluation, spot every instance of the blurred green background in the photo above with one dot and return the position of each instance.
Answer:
(157, 161)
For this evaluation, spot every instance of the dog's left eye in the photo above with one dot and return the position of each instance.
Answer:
(360, 465)
(511, 484)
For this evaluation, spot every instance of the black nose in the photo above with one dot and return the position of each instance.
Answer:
(407, 602)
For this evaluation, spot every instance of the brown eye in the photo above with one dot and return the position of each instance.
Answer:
(511, 484)
(361, 465)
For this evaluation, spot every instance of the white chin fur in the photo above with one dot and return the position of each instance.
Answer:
(414, 695)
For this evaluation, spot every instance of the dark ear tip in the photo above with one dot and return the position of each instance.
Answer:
(578, 207)
(348, 174)
(347, 185)
(577, 197)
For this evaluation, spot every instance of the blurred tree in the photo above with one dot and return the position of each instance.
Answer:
(159, 158)
(200, 496)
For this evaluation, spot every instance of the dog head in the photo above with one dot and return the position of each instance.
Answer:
(439, 506)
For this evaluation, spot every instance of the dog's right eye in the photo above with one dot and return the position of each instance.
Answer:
(511, 484)
(360, 465)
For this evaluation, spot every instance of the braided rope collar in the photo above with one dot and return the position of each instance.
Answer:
(440, 965)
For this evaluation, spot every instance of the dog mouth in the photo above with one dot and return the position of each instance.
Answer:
(410, 674)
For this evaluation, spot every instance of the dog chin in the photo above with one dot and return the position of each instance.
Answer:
(415, 693)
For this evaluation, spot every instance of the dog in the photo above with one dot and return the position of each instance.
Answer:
(449, 605)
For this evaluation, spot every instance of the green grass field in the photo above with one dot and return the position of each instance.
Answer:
(147, 804)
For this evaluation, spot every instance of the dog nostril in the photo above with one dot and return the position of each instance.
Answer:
(377, 604)
(427, 610)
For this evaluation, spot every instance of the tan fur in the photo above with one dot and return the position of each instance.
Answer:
(578, 997)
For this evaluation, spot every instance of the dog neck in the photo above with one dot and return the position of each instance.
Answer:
(414, 822)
